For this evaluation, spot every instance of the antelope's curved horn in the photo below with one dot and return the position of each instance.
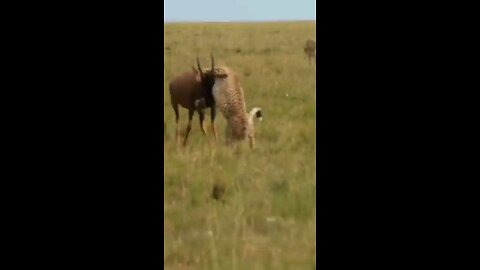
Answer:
(199, 68)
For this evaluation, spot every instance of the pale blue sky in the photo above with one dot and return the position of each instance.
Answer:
(238, 10)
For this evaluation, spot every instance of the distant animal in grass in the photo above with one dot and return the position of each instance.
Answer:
(218, 191)
(310, 50)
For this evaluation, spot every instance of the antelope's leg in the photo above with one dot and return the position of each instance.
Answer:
(214, 130)
(177, 131)
(189, 126)
(212, 119)
(201, 114)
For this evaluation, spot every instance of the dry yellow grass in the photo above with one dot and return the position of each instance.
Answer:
(266, 217)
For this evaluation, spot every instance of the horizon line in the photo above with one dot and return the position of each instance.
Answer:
(239, 21)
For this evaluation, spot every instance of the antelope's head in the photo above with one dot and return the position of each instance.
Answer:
(207, 79)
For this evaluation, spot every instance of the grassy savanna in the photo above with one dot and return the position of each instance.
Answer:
(266, 218)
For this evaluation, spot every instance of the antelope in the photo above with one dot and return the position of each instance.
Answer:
(189, 87)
